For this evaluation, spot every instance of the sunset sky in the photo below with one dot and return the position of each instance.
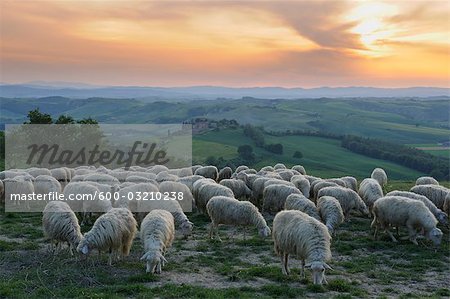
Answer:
(227, 43)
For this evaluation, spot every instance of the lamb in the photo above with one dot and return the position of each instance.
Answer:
(61, 225)
(380, 175)
(436, 194)
(225, 173)
(301, 203)
(157, 234)
(274, 196)
(227, 210)
(295, 232)
(426, 180)
(208, 191)
(44, 184)
(113, 231)
(239, 188)
(302, 184)
(210, 172)
(370, 190)
(348, 199)
(401, 211)
(350, 182)
(440, 215)
(331, 212)
(299, 168)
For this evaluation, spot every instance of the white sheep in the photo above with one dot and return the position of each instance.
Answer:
(76, 193)
(435, 193)
(61, 225)
(34, 171)
(401, 211)
(267, 168)
(241, 168)
(380, 175)
(296, 233)
(330, 211)
(44, 184)
(113, 231)
(300, 203)
(370, 190)
(350, 182)
(208, 191)
(299, 168)
(348, 199)
(302, 184)
(210, 172)
(157, 234)
(61, 175)
(225, 173)
(157, 169)
(102, 178)
(318, 185)
(274, 196)
(198, 184)
(438, 213)
(21, 185)
(229, 211)
(285, 174)
(279, 166)
(164, 176)
(426, 180)
(239, 188)
(189, 181)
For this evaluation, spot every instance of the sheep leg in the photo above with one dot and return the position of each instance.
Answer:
(390, 234)
(158, 268)
(302, 271)
(284, 263)
(211, 230)
(110, 257)
(412, 233)
(325, 279)
(58, 247)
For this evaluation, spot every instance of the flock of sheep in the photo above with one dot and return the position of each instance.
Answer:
(308, 210)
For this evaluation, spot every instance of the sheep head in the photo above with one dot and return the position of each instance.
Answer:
(154, 260)
(435, 235)
(318, 271)
(264, 231)
(186, 228)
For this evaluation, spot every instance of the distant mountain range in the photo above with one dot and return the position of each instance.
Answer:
(80, 90)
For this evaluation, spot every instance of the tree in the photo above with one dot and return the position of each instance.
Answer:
(88, 121)
(276, 148)
(37, 117)
(246, 152)
(65, 119)
(298, 155)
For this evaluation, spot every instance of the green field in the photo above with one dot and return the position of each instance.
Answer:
(322, 157)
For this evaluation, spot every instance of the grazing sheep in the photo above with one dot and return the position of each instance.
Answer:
(38, 171)
(174, 190)
(331, 212)
(299, 168)
(370, 190)
(208, 191)
(102, 178)
(426, 180)
(440, 215)
(44, 184)
(189, 181)
(61, 225)
(225, 173)
(348, 199)
(239, 188)
(77, 193)
(147, 175)
(380, 175)
(241, 168)
(446, 207)
(113, 231)
(274, 196)
(139, 179)
(260, 183)
(318, 185)
(350, 182)
(198, 184)
(301, 203)
(21, 185)
(181, 172)
(296, 233)
(401, 211)
(227, 210)
(248, 179)
(132, 198)
(436, 194)
(209, 172)
(157, 169)
(267, 168)
(9, 174)
(338, 182)
(120, 175)
(302, 184)
(60, 174)
(164, 176)
(285, 174)
(279, 166)
(181, 220)
(157, 234)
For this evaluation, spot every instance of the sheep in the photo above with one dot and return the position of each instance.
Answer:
(157, 234)
(258, 187)
(195, 167)
(267, 168)
(208, 191)
(318, 185)
(285, 174)
(189, 180)
(401, 211)
(274, 196)
(102, 178)
(120, 175)
(20, 186)
(181, 220)
(82, 171)
(166, 176)
(380, 175)
(348, 199)
(198, 184)
(446, 207)
(239, 188)
(301, 203)
(156, 169)
(228, 210)
(241, 168)
(370, 190)
(302, 184)
(9, 174)
(44, 184)
(225, 173)
(248, 179)
(350, 182)
(330, 211)
(299, 168)
(133, 198)
(209, 172)
(440, 215)
(311, 178)
(77, 193)
(113, 231)
(147, 175)
(295, 232)
(175, 189)
(139, 179)
(426, 180)
(436, 194)
(279, 166)
(60, 174)
(61, 225)
(38, 171)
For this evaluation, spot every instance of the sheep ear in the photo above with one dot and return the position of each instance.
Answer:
(84, 249)
(327, 266)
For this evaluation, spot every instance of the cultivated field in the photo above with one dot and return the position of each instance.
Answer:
(235, 268)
